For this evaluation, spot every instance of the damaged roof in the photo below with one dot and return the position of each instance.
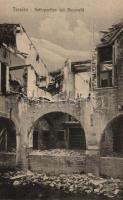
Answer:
(8, 33)
(81, 66)
(111, 34)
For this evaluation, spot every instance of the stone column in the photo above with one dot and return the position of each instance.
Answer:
(69, 81)
(18, 150)
(98, 69)
(24, 148)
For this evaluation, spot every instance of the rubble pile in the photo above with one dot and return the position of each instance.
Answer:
(70, 184)
(59, 152)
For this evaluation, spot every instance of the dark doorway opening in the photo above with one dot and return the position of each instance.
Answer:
(112, 138)
(77, 139)
(7, 135)
(35, 140)
(117, 129)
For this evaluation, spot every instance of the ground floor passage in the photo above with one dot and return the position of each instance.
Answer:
(58, 130)
(62, 137)
(112, 138)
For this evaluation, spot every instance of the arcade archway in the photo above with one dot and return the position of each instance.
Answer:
(112, 138)
(58, 130)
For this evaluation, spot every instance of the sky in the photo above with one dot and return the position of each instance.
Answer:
(63, 34)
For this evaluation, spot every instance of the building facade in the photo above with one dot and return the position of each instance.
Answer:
(91, 124)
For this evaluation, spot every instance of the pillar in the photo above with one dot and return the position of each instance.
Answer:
(24, 148)
(18, 150)
(69, 81)
(98, 69)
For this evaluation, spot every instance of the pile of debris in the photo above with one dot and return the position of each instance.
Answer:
(56, 83)
(70, 184)
(59, 152)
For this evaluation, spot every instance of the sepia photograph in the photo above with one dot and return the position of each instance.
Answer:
(61, 100)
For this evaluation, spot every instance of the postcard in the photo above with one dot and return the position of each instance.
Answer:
(61, 99)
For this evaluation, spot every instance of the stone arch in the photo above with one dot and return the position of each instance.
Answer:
(57, 124)
(7, 135)
(111, 142)
(44, 108)
(73, 110)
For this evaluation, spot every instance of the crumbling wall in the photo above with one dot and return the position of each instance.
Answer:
(7, 161)
(82, 84)
(57, 164)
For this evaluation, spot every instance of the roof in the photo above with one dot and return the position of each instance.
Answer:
(111, 34)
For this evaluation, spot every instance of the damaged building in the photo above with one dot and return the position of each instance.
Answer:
(107, 79)
(81, 110)
(21, 68)
(108, 57)
(24, 73)
(21, 72)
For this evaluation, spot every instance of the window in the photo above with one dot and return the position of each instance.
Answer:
(76, 139)
(106, 79)
(104, 67)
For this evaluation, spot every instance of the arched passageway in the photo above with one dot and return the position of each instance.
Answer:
(112, 138)
(7, 135)
(58, 130)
